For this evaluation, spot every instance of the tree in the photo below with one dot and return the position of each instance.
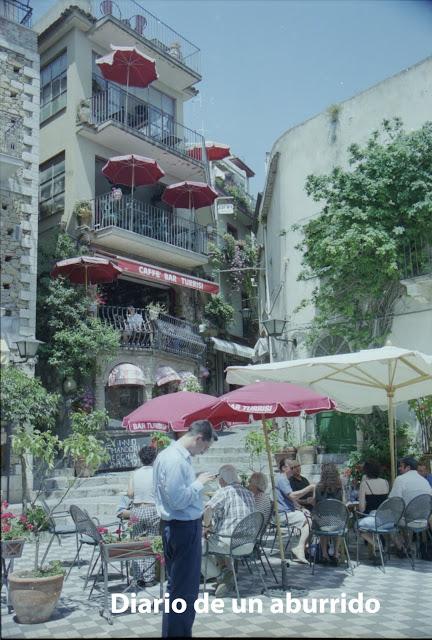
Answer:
(355, 246)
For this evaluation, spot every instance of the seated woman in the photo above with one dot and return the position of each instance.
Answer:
(329, 486)
(373, 491)
(143, 514)
(258, 485)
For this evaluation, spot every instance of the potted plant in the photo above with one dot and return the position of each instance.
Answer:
(307, 451)
(83, 212)
(154, 309)
(84, 445)
(34, 593)
(286, 448)
(160, 440)
(15, 530)
(219, 312)
(83, 111)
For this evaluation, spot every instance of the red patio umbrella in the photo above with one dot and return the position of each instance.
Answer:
(127, 65)
(132, 171)
(87, 270)
(266, 400)
(214, 150)
(168, 412)
(189, 195)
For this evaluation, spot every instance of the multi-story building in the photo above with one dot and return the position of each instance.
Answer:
(316, 147)
(163, 251)
(19, 166)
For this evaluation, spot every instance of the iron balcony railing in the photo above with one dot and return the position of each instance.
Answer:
(11, 137)
(149, 221)
(165, 333)
(417, 258)
(16, 11)
(150, 28)
(144, 120)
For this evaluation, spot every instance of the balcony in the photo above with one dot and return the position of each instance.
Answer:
(166, 333)
(135, 227)
(417, 269)
(11, 145)
(16, 11)
(126, 21)
(126, 124)
(234, 199)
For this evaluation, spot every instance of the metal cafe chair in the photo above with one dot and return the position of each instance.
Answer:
(330, 520)
(415, 521)
(240, 546)
(261, 543)
(55, 529)
(385, 521)
(88, 534)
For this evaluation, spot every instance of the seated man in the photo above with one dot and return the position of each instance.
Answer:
(133, 324)
(287, 503)
(422, 469)
(229, 505)
(297, 482)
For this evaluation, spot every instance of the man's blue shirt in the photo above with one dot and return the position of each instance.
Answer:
(178, 495)
(283, 488)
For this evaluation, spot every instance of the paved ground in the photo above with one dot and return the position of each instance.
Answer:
(404, 596)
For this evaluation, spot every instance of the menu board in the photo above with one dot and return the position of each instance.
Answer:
(123, 451)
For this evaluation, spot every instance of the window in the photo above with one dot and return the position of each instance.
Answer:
(232, 230)
(53, 86)
(52, 186)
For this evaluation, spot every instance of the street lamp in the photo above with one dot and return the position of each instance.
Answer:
(275, 329)
(28, 347)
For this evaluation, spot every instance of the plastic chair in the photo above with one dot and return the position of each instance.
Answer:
(241, 546)
(57, 530)
(415, 520)
(330, 520)
(385, 521)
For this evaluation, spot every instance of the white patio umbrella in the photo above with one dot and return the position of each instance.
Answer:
(357, 381)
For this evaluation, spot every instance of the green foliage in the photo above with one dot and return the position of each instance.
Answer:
(219, 312)
(311, 442)
(191, 384)
(74, 338)
(422, 408)
(83, 445)
(42, 446)
(160, 440)
(55, 568)
(356, 245)
(25, 401)
(37, 517)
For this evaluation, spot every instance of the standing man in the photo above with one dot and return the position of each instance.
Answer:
(178, 496)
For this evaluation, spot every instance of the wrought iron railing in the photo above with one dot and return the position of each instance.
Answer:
(11, 139)
(417, 258)
(142, 218)
(144, 120)
(16, 11)
(165, 333)
(149, 27)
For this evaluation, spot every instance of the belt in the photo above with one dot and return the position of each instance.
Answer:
(141, 504)
(180, 521)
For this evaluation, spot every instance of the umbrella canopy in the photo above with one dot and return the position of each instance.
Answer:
(189, 195)
(168, 412)
(132, 171)
(214, 150)
(87, 270)
(127, 65)
(266, 400)
(381, 377)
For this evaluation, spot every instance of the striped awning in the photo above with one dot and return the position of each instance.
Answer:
(165, 375)
(126, 374)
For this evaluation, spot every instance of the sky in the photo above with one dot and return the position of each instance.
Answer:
(268, 65)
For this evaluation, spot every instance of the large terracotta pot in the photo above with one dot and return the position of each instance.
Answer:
(34, 599)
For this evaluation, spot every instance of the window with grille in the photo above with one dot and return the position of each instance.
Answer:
(53, 86)
(52, 186)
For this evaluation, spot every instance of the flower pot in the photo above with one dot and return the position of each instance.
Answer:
(307, 455)
(82, 470)
(34, 599)
(289, 452)
(12, 548)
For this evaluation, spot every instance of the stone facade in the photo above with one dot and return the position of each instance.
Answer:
(19, 172)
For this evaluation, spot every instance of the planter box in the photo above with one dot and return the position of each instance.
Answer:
(12, 548)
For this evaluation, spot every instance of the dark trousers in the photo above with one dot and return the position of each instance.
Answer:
(182, 549)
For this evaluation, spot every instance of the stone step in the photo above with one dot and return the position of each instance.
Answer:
(62, 482)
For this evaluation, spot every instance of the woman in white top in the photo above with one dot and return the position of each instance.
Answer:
(143, 516)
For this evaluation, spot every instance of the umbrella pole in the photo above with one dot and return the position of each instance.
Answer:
(276, 508)
(126, 122)
(391, 425)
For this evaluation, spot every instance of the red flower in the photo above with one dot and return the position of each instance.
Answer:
(30, 527)
(23, 518)
(7, 516)
(5, 528)
(4, 504)
(102, 530)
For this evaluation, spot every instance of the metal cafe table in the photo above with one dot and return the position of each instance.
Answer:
(124, 552)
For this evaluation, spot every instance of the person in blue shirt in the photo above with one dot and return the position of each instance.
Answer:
(178, 498)
(423, 471)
